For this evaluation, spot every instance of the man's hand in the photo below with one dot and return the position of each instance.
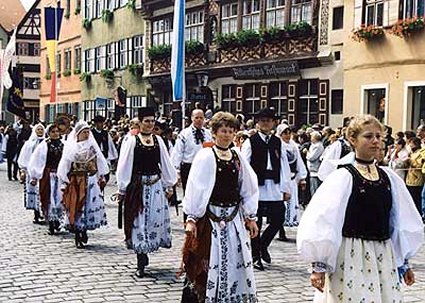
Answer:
(169, 193)
(33, 182)
(286, 196)
(409, 277)
(252, 227)
(317, 280)
(191, 228)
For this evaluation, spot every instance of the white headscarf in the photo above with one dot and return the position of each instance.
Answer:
(30, 145)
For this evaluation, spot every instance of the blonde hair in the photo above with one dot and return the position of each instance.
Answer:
(222, 119)
(359, 122)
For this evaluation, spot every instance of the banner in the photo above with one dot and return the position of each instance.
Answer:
(178, 55)
(52, 25)
(7, 57)
(15, 103)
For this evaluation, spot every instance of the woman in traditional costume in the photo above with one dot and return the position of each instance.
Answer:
(43, 167)
(31, 192)
(81, 172)
(360, 226)
(145, 178)
(221, 202)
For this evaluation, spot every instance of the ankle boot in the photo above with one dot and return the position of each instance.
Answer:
(84, 237)
(141, 263)
(282, 235)
(36, 217)
(51, 228)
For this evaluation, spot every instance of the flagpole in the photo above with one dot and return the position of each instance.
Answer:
(57, 43)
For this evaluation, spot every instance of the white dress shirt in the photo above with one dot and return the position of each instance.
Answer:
(271, 191)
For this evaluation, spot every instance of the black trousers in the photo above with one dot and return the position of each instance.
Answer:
(11, 163)
(274, 211)
(184, 174)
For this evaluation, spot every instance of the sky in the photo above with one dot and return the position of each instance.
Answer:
(27, 4)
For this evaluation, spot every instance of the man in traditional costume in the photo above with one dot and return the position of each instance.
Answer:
(145, 178)
(267, 156)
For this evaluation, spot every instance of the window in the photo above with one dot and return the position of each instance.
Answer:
(375, 99)
(374, 12)
(88, 55)
(48, 71)
(23, 49)
(417, 97)
(67, 58)
(89, 110)
(252, 102)
(168, 103)
(161, 32)
(36, 49)
(229, 18)
(195, 26)
(337, 101)
(301, 10)
(68, 8)
(58, 64)
(228, 98)
(31, 83)
(77, 57)
(275, 15)
(97, 60)
(308, 105)
(338, 18)
(278, 92)
(87, 9)
(109, 4)
(138, 50)
(251, 14)
(337, 55)
(110, 56)
(98, 8)
(411, 8)
(122, 53)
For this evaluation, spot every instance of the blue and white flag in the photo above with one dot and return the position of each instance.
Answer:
(178, 54)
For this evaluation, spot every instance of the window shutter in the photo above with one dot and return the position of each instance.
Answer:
(103, 57)
(130, 48)
(83, 61)
(358, 9)
(92, 57)
(116, 55)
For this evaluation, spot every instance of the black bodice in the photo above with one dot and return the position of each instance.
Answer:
(226, 187)
(146, 158)
(368, 211)
(54, 153)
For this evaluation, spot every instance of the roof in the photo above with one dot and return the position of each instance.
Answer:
(11, 13)
(28, 13)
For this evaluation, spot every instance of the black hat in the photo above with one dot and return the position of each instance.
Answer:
(266, 113)
(99, 118)
(146, 112)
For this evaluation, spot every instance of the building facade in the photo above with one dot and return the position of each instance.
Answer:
(113, 55)
(68, 64)
(28, 60)
(244, 55)
(384, 67)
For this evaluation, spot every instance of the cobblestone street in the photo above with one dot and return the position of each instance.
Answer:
(37, 267)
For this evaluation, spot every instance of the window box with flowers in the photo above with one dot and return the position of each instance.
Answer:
(131, 4)
(136, 70)
(158, 52)
(107, 15)
(48, 76)
(107, 74)
(194, 47)
(77, 71)
(87, 24)
(85, 77)
(67, 73)
(77, 10)
(368, 33)
(404, 28)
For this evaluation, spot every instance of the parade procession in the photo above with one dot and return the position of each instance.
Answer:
(212, 151)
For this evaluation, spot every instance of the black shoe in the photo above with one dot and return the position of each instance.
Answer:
(37, 217)
(57, 225)
(140, 272)
(258, 264)
(84, 237)
(15, 178)
(78, 242)
(51, 228)
(285, 239)
(266, 256)
(128, 244)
